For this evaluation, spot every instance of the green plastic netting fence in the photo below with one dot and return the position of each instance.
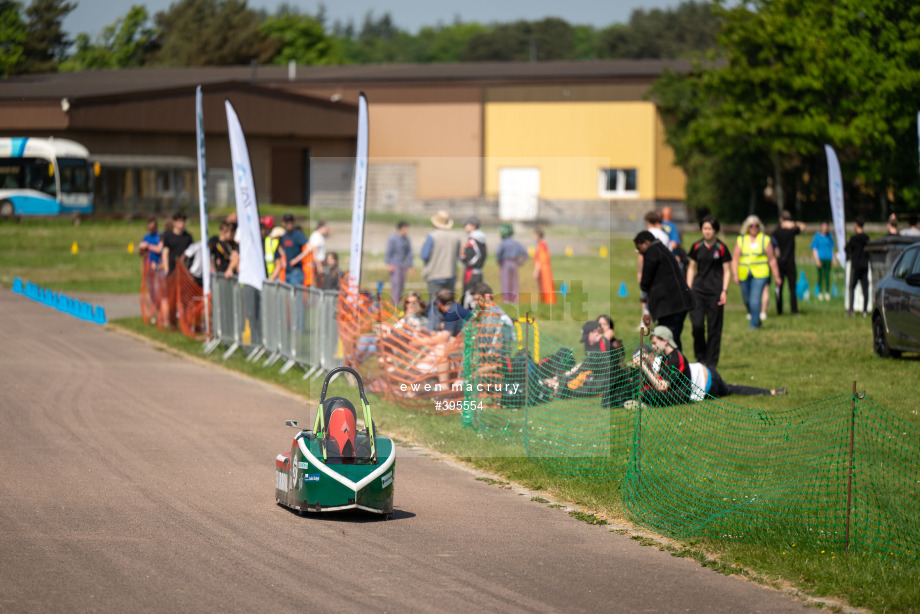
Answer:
(840, 474)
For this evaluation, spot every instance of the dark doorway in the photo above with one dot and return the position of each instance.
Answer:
(290, 176)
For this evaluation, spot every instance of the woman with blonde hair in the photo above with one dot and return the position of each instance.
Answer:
(752, 262)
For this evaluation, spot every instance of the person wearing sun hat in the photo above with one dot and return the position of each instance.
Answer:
(673, 380)
(440, 253)
(510, 256)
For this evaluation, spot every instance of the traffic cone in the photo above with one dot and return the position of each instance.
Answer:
(131, 247)
(74, 248)
(17, 285)
(603, 252)
(99, 315)
(568, 251)
(623, 292)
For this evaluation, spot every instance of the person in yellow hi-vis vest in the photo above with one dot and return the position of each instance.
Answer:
(274, 256)
(752, 262)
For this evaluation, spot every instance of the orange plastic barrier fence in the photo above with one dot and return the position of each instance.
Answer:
(153, 294)
(401, 362)
(189, 304)
(174, 301)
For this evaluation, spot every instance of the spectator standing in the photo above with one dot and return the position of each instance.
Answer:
(671, 228)
(192, 257)
(316, 255)
(150, 248)
(911, 230)
(175, 242)
(892, 224)
(663, 284)
(543, 269)
(332, 274)
(473, 256)
(784, 238)
(653, 220)
(752, 262)
(293, 243)
(855, 250)
(822, 248)
(221, 248)
(152, 244)
(708, 276)
(440, 253)
(398, 259)
(510, 256)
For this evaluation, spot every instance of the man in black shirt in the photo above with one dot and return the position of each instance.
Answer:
(669, 297)
(784, 240)
(175, 243)
(708, 276)
(859, 263)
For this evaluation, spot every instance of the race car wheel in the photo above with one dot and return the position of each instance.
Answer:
(6, 209)
(880, 340)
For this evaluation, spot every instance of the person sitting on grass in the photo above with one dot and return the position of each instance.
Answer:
(673, 380)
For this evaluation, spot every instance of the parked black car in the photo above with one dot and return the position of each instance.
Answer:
(896, 316)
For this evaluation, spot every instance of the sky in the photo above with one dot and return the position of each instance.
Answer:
(91, 16)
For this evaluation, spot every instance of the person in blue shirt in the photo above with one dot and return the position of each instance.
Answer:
(292, 243)
(510, 255)
(822, 247)
(671, 228)
(398, 260)
(152, 244)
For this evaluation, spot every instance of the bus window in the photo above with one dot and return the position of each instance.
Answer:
(75, 176)
(11, 174)
(37, 176)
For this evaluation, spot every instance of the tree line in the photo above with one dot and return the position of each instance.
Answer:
(228, 32)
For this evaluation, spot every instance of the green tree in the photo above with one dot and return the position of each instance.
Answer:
(549, 39)
(127, 43)
(688, 29)
(211, 32)
(303, 39)
(46, 43)
(796, 75)
(12, 36)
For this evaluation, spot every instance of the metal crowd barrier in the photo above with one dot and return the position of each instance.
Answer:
(286, 322)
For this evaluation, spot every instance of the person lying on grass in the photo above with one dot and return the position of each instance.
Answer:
(672, 379)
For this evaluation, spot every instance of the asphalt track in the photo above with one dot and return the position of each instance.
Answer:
(136, 480)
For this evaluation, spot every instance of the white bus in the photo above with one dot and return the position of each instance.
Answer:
(44, 177)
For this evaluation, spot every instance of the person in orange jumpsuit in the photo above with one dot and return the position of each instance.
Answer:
(543, 269)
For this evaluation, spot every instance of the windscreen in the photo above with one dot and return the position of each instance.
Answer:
(75, 176)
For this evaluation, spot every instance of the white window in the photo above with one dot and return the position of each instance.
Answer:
(617, 183)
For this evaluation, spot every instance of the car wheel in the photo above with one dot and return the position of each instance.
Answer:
(6, 209)
(880, 339)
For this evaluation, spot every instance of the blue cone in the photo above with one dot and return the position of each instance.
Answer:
(31, 290)
(817, 290)
(563, 289)
(834, 291)
(17, 285)
(86, 311)
(801, 286)
(623, 292)
(99, 315)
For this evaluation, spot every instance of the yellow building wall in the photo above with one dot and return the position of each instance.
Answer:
(569, 142)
